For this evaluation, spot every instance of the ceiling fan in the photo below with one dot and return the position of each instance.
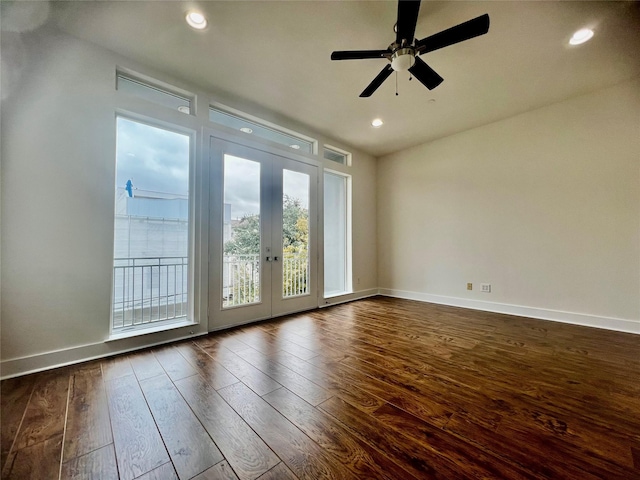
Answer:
(403, 53)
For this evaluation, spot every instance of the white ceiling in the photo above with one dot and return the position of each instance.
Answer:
(276, 55)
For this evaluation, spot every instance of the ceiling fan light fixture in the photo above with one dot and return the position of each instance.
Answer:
(403, 59)
(377, 123)
(196, 20)
(581, 36)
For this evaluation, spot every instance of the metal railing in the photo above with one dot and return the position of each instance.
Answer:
(155, 289)
(240, 280)
(295, 274)
(149, 289)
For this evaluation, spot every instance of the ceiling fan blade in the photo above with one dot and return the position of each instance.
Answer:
(407, 19)
(359, 54)
(425, 74)
(373, 86)
(459, 33)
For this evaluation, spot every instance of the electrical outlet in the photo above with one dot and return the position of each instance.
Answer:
(485, 287)
(469, 286)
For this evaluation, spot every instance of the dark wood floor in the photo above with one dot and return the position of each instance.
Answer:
(379, 388)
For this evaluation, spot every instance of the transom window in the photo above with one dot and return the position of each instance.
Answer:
(263, 130)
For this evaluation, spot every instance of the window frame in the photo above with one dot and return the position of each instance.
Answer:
(347, 155)
(348, 232)
(251, 119)
(192, 316)
(157, 86)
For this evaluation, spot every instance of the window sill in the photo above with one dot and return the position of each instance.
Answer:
(138, 331)
(339, 294)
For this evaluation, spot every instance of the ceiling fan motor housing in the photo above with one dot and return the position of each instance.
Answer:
(403, 59)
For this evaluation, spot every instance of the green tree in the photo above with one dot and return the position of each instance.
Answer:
(246, 241)
(295, 230)
(246, 237)
(295, 224)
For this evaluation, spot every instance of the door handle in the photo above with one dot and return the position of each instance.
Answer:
(275, 259)
(268, 259)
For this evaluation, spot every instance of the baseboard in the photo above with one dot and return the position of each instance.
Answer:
(349, 297)
(586, 320)
(69, 356)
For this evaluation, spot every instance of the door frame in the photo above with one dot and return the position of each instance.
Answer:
(213, 140)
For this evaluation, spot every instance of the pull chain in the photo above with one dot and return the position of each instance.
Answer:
(396, 83)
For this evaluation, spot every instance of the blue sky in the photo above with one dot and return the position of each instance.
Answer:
(153, 158)
(158, 160)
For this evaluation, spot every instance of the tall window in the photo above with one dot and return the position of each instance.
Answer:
(151, 250)
(337, 241)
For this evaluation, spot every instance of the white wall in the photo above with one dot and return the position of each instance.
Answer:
(58, 162)
(544, 206)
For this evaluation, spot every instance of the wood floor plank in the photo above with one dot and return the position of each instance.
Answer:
(229, 341)
(212, 371)
(14, 397)
(116, 367)
(36, 462)
(245, 372)
(145, 365)
(279, 472)
(190, 447)
(475, 461)
(139, 448)
(88, 423)
(298, 384)
(220, 471)
(173, 363)
(163, 472)
(559, 463)
(347, 391)
(358, 456)
(45, 414)
(248, 455)
(420, 461)
(426, 408)
(100, 463)
(301, 454)
(257, 339)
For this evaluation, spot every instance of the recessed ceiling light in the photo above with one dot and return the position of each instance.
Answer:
(377, 123)
(184, 109)
(246, 130)
(581, 36)
(295, 147)
(196, 20)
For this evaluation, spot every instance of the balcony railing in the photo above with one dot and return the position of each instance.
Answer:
(240, 280)
(148, 290)
(295, 275)
(154, 289)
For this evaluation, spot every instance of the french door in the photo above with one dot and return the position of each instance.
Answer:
(263, 237)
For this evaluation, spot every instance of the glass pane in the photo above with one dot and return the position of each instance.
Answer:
(241, 232)
(334, 156)
(252, 128)
(153, 94)
(295, 234)
(335, 234)
(151, 225)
